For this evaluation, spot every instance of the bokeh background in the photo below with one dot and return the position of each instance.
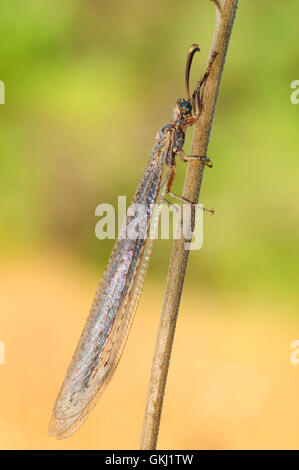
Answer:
(88, 83)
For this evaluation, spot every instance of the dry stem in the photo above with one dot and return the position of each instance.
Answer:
(225, 14)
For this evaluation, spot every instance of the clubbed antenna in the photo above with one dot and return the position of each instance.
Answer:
(191, 52)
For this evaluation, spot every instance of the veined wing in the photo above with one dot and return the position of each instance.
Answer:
(111, 315)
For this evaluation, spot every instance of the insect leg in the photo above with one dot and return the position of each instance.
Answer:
(170, 178)
(164, 200)
(187, 158)
(197, 94)
(217, 5)
(186, 201)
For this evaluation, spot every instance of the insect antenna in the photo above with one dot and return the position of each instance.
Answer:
(191, 52)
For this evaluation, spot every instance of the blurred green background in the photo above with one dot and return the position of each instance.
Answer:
(88, 84)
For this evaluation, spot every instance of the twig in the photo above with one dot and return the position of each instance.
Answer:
(225, 14)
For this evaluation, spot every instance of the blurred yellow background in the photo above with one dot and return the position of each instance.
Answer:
(88, 84)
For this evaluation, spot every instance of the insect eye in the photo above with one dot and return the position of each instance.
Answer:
(185, 108)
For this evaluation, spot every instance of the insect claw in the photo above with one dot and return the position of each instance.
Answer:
(212, 211)
(209, 163)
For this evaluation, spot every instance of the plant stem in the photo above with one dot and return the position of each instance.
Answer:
(225, 14)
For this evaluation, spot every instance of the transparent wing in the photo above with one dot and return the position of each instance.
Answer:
(111, 315)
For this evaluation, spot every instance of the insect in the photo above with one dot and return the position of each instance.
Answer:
(104, 336)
